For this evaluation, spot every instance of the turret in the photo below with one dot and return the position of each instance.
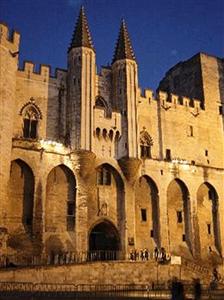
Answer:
(125, 85)
(81, 86)
(9, 50)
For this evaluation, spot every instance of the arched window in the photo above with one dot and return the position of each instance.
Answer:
(146, 143)
(103, 176)
(30, 122)
(102, 103)
(111, 134)
(98, 132)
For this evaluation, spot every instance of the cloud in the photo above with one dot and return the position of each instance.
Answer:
(74, 3)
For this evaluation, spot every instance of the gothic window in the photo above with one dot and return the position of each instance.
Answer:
(103, 177)
(31, 115)
(98, 132)
(146, 143)
(105, 133)
(100, 102)
(30, 121)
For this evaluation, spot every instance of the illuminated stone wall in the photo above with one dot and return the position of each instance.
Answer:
(183, 166)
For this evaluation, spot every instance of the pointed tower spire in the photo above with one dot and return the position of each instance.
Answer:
(123, 49)
(81, 35)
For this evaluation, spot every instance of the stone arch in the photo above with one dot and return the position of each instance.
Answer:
(179, 218)
(110, 197)
(98, 132)
(33, 104)
(104, 133)
(21, 195)
(111, 134)
(102, 103)
(208, 231)
(147, 213)
(60, 200)
(109, 240)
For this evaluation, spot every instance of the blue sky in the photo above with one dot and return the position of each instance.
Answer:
(163, 32)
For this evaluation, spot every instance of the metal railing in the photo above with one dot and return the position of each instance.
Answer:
(158, 291)
(62, 258)
(65, 258)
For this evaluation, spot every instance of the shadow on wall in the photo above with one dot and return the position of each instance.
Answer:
(21, 242)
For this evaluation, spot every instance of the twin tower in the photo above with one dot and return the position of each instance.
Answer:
(82, 89)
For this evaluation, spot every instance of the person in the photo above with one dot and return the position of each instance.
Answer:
(156, 253)
(146, 254)
(163, 254)
(141, 254)
(132, 255)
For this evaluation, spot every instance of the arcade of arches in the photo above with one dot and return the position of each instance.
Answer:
(108, 208)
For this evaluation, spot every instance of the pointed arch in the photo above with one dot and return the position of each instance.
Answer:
(21, 194)
(102, 103)
(110, 239)
(208, 220)
(147, 212)
(32, 104)
(60, 199)
(179, 218)
(110, 197)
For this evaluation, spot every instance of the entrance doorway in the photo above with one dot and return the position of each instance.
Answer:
(104, 242)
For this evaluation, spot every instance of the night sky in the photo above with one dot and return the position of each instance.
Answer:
(163, 32)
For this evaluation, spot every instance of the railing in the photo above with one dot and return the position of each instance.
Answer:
(161, 291)
(64, 258)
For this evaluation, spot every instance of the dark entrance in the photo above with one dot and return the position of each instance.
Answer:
(104, 242)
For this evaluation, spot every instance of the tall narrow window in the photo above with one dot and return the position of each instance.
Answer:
(30, 123)
(209, 228)
(143, 215)
(179, 216)
(191, 130)
(168, 154)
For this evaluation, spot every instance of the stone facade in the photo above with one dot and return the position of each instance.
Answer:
(85, 153)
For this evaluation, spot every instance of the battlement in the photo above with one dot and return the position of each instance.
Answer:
(177, 100)
(40, 72)
(169, 99)
(9, 39)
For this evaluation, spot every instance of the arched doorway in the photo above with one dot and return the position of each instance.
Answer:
(179, 222)
(147, 213)
(208, 220)
(21, 195)
(104, 241)
(60, 200)
(110, 204)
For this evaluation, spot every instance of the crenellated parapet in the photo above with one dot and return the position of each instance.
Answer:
(42, 72)
(169, 100)
(33, 72)
(9, 39)
(173, 100)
